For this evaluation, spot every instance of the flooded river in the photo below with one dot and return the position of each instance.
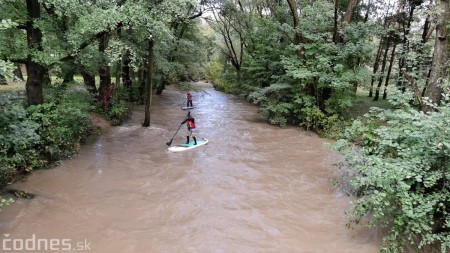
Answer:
(253, 188)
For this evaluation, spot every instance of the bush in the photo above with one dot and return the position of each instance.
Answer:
(119, 112)
(61, 128)
(18, 140)
(402, 165)
(35, 136)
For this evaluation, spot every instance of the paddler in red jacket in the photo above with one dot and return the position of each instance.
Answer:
(190, 126)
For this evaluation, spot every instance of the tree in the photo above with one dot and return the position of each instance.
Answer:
(149, 82)
(35, 70)
(298, 39)
(439, 72)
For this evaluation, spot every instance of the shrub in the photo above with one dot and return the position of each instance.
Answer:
(18, 140)
(61, 128)
(402, 164)
(119, 112)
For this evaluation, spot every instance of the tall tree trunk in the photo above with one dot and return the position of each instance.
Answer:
(426, 33)
(104, 71)
(117, 83)
(349, 12)
(35, 70)
(441, 57)
(366, 16)
(298, 39)
(388, 76)
(402, 64)
(143, 77)
(426, 29)
(336, 26)
(126, 75)
(427, 81)
(376, 65)
(337, 37)
(383, 66)
(149, 83)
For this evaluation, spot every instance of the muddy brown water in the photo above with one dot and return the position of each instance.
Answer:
(253, 188)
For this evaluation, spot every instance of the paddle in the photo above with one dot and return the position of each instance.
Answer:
(170, 142)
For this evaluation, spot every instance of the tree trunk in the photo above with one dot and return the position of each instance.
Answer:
(427, 81)
(349, 12)
(366, 16)
(376, 65)
(149, 83)
(426, 33)
(426, 29)
(35, 70)
(143, 77)
(18, 72)
(336, 17)
(389, 71)
(104, 71)
(337, 37)
(89, 81)
(161, 87)
(68, 70)
(383, 66)
(441, 57)
(298, 36)
(126, 75)
(402, 64)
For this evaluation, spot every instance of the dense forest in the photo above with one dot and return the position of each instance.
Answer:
(304, 63)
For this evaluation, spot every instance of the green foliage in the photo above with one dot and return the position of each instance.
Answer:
(273, 103)
(223, 78)
(402, 164)
(34, 137)
(290, 89)
(6, 69)
(60, 137)
(5, 202)
(119, 112)
(263, 67)
(18, 141)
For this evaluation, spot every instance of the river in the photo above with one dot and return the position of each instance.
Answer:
(253, 188)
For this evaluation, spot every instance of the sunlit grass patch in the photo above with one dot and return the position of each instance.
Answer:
(12, 86)
(362, 102)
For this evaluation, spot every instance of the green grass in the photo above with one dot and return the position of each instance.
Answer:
(362, 103)
(12, 87)
(15, 86)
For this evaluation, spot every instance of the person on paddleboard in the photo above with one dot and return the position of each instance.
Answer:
(190, 126)
(189, 99)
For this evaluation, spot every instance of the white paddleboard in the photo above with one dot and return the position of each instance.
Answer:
(184, 147)
(187, 107)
